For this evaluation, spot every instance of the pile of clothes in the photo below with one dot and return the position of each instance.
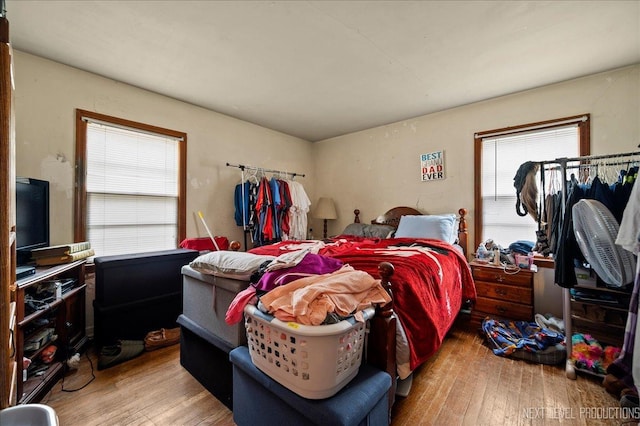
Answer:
(531, 341)
(308, 289)
(588, 354)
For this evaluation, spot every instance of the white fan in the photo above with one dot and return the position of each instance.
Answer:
(596, 230)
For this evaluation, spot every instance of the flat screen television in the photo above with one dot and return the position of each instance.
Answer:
(32, 217)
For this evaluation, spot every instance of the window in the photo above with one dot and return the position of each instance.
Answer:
(498, 155)
(130, 185)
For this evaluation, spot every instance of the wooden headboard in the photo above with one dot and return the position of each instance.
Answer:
(392, 218)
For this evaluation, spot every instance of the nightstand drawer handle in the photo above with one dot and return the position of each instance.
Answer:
(501, 310)
(499, 278)
(501, 292)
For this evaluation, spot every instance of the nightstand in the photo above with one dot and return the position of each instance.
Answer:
(502, 294)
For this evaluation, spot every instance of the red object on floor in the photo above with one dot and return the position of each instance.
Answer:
(205, 243)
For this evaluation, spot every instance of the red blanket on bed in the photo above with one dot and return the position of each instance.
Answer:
(430, 282)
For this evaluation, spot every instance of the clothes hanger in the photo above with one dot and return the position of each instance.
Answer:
(584, 174)
(252, 176)
(611, 173)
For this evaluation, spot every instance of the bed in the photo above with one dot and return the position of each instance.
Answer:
(412, 257)
(428, 277)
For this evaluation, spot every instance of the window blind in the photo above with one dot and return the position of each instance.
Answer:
(501, 158)
(132, 190)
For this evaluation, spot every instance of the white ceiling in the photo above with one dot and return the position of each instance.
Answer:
(318, 69)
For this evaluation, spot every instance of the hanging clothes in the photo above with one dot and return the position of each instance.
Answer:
(568, 253)
(542, 244)
(565, 256)
(626, 367)
(281, 210)
(629, 232)
(283, 218)
(622, 190)
(270, 210)
(264, 231)
(553, 203)
(244, 199)
(298, 211)
(241, 203)
(277, 205)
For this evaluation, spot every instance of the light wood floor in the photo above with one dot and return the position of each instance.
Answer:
(464, 384)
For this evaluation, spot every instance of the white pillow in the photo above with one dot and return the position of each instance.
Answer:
(229, 262)
(438, 227)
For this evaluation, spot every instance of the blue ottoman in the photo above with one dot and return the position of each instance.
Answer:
(258, 399)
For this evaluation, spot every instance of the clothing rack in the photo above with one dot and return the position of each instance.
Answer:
(244, 167)
(566, 295)
(564, 160)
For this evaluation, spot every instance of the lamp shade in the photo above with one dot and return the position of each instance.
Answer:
(325, 209)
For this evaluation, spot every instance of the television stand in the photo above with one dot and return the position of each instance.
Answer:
(59, 322)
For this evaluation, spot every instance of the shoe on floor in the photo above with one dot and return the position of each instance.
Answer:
(121, 352)
(160, 338)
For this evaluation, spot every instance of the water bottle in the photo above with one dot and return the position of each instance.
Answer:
(482, 252)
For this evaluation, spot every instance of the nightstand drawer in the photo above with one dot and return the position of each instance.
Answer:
(508, 293)
(503, 309)
(498, 275)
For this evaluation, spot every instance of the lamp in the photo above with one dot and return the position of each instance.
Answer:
(326, 210)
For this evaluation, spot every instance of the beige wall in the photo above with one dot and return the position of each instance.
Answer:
(372, 170)
(47, 94)
(378, 168)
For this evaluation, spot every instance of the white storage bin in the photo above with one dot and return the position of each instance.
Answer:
(206, 299)
(313, 361)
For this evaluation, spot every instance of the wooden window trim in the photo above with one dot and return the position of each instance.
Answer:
(80, 198)
(584, 130)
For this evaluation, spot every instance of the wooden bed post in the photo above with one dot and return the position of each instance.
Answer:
(463, 234)
(356, 214)
(381, 347)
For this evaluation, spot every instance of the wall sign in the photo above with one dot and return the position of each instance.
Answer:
(432, 166)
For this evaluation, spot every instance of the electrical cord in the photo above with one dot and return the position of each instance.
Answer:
(510, 269)
(93, 376)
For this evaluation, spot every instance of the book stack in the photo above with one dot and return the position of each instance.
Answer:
(64, 253)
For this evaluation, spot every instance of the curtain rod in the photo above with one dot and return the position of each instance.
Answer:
(243, 167)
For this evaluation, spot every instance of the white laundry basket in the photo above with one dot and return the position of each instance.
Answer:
(315, 362)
